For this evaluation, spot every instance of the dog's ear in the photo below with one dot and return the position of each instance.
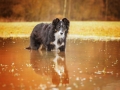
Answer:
(55, 21)
(66, 21)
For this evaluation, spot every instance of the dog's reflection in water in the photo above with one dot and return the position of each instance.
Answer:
(52, 64)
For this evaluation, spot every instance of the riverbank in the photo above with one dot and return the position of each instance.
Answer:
(84, 28)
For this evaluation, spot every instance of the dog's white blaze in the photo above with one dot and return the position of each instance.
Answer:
(59, 69)
(61, 24)
(57, 37)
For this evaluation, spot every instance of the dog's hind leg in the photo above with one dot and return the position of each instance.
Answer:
(34, 44)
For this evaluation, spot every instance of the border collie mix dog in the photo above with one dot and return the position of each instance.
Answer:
(51, 36)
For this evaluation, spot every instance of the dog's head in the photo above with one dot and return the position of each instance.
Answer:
(61, 27)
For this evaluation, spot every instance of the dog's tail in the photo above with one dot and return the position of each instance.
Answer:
(28, 47)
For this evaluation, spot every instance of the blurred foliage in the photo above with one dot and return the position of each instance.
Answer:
(113, 9)
(45, 10)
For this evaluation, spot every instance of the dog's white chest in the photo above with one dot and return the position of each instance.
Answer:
(57, 45)
(57, 37)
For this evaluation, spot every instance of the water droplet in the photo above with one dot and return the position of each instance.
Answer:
(75, 85)
(13, 42)
(4, 85)
(80, 71)
(16, 74)
(77, 78)
(68, 88)
(90, 78)
(100, 77)
(94, 83)
(12, 64)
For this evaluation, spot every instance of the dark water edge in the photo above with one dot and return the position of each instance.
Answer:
(86, 65)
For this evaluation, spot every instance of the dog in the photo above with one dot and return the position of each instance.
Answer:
(52, 36)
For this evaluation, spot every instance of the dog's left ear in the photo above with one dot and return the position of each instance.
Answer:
(66, 21)
(55, 21)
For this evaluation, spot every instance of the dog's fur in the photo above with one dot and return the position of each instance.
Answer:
(51, 36)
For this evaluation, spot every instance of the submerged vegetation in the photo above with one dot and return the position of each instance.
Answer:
(85, 28)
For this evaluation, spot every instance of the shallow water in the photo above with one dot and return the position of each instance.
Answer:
(86, 65)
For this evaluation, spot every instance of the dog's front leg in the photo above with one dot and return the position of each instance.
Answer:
(62, 48)
(48, 47)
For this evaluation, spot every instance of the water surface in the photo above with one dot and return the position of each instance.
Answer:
(86, 65)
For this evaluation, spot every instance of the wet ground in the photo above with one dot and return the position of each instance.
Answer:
(86, 65)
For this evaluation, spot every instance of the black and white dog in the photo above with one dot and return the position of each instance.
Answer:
(51, 36)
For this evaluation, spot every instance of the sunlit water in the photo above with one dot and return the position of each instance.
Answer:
(86, 65)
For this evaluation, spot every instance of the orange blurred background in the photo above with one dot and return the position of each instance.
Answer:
(47, 10)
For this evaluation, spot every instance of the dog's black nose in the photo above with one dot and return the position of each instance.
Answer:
(61, 33)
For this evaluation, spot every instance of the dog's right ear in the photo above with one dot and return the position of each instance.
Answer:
(55, 21)
(66, 21)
